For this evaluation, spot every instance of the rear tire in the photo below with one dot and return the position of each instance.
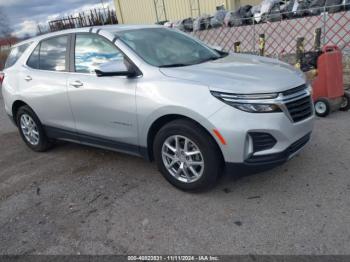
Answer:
(178, 165)
(345, 106)
(31, 130)
(322, 107)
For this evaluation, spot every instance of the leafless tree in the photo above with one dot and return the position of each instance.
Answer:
(5, 28)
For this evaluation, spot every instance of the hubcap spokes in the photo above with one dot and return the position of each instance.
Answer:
(183, 159)
(29, 129)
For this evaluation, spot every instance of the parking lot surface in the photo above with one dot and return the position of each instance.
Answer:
(80, 200)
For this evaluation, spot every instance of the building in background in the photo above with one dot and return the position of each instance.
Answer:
(153, 11)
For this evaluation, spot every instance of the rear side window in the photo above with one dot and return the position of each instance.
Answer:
(50, 54)
(15, 54)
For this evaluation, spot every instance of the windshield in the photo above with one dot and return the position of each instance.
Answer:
(163, 47)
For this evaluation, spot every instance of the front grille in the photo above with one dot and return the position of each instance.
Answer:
(279, 157)
(294, 90)
(300, 109)
(262, 141)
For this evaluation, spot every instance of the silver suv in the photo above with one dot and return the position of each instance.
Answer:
(160, 94)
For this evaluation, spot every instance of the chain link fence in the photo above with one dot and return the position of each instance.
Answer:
(281, 35)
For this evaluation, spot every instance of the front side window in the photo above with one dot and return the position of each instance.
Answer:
(50, 54)
(163, 47)
(15, 54)
(92, 51)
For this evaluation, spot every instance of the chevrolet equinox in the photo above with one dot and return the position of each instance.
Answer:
(161, 94)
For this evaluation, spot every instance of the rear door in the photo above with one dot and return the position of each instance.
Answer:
(104, 108)
(43, 81)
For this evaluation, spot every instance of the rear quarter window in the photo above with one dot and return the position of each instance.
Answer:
(33, 60)
(50, 54)
(15, 54)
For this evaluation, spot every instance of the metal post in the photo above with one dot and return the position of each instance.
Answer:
(159, 5)
(164, 9)
(156, 9)
(317, 39)
(324, 25)
(237, 47)
(300, 52)
(262, 44)
(254, 40)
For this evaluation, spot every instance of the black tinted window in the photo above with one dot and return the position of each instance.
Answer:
(33, 60)
(53, 54)
(91, 51)
(15, 54)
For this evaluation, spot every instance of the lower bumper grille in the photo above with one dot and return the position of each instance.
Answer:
(262, 141)
(279, 157)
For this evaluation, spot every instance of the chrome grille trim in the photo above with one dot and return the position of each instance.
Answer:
(282, 99)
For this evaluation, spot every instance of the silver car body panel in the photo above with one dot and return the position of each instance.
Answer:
(123, 109)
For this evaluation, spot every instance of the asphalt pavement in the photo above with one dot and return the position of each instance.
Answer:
(80, 200)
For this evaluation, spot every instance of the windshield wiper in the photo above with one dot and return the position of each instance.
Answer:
(209, 59)
(175, 65)
(223, 53)
(213, 58)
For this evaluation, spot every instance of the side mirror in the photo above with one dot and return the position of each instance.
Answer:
(114, 68)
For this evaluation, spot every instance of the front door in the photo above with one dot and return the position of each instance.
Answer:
(103, 107)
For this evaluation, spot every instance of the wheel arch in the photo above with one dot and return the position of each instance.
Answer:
(165, 119)
(15, 106)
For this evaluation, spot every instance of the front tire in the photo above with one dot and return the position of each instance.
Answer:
(187, 156)
(31, 130)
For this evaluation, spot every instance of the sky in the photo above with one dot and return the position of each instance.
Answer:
(25, 15)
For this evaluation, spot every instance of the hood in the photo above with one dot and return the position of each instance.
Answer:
(239, 73)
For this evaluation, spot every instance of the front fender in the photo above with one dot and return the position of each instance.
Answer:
(172, 111)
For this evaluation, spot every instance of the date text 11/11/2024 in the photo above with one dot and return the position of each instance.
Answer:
(173, 258)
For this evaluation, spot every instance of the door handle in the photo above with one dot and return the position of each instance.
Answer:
(28, 78)
(76, 84)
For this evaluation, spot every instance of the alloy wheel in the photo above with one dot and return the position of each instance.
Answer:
(183, 158)
(29, 129)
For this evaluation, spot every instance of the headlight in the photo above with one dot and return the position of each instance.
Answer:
(228, 96)
(251, 103)
(257, 108)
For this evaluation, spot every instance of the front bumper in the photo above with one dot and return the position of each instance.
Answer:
(266, 162)
(277, 158)
(235, 125)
